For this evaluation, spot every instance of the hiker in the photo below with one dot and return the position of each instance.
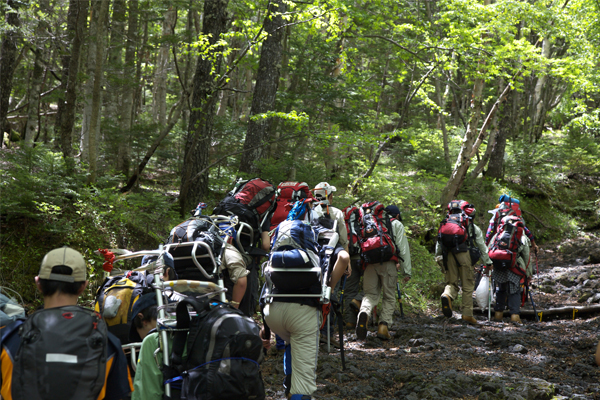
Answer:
(382, 274)
(297, 321)
(460, 244)
(145, 314)
(78, 356)
(507, 206)
(353, 295)
(510, 250)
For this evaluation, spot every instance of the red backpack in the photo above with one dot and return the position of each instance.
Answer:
(505, 247)
(250, 200)
(288, 193)
(376, 241)
(454, 229)
(352, 219)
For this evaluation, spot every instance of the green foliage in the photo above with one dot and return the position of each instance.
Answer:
(425, 273)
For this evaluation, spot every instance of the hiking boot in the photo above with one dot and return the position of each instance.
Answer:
(355, 305)
(382, 332)
(447, 306)
(361, 326)
(470, 319)
(498, 315)
(332, 342)
(516, 319)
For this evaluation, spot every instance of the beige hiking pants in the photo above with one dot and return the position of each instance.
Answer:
(298, 325)
(380, 278)
(459, 267)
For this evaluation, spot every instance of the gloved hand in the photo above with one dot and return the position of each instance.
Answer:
(535, 248)
(440, 261)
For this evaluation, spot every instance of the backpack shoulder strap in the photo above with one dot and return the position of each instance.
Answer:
(183, 324)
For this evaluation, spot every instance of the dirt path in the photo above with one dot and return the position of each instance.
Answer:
(431, 357)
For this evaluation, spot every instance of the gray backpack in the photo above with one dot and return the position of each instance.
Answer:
(62, 355)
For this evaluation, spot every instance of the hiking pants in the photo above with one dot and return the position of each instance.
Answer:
(378, 277)
(459, 267)
(298, 325)
(503, 294)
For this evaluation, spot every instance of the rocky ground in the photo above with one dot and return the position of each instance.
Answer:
(432, 357)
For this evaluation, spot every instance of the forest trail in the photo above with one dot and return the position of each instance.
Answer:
(431, 357)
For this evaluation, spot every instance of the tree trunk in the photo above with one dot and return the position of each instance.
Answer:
(65, 116)
(159, 98)
(129, 88)
(8, 57)
(114, 67)
(203, 109)
(96, 95)
(35, 86)
(265, 90)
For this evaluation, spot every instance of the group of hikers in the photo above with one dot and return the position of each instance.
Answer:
(322, 264)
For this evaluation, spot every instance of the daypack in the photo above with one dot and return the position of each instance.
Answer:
(352, 219)
(183, 236)
(115, 299)
(250, 200)
(504, 248)
(294, 245)
(376, 236)
(287, 194)
(506, 209)
(453, 232)
(224, 351)
(62, 355)
(320, 216)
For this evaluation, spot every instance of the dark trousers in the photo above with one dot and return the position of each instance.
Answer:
(503, 296)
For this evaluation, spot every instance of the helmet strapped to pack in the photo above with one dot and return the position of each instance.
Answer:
(505, 247)
(376, 236)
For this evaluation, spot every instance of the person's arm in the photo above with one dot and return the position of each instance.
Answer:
(483, 249)
(403, 249)
(265, 241)
(239, 289)
(341, 230)
(148, 382)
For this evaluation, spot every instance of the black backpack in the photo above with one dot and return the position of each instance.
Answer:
(224, 351)
(195, 229)
(62, 355)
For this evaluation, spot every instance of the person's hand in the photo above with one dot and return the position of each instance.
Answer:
(348, 271)
(535, 248)
(397, 266)
(440, 261)
(406, 279)
(265, 342)
(488, 269)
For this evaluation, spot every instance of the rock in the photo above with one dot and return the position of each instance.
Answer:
(583, 298)
(519, 348)
(548, 289)
(583, 277)
(566, 281)
(416, 342)
(594, 299)
(594, 258)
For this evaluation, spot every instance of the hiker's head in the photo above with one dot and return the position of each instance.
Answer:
(63, 271)
(145, 313)
(393, 211)
(324, 191)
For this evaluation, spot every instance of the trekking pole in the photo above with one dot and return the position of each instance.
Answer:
(342, 293)
(489, 298)
(400, 299)
(537, 318)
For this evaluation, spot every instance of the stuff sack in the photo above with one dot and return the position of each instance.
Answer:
(250, 200)
(115, 299)
(183, 236)
(376, 241)
(453, 232)
(294, 245)
(10, 308)
(224, 351)
(505, 246)
(287, 194)
(352, 219)
(482, 292)
(62, 355)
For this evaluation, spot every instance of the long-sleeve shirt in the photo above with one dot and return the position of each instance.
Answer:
(402, 245)
(477, 235)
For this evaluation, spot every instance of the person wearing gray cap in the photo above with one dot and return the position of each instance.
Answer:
(65, 348)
